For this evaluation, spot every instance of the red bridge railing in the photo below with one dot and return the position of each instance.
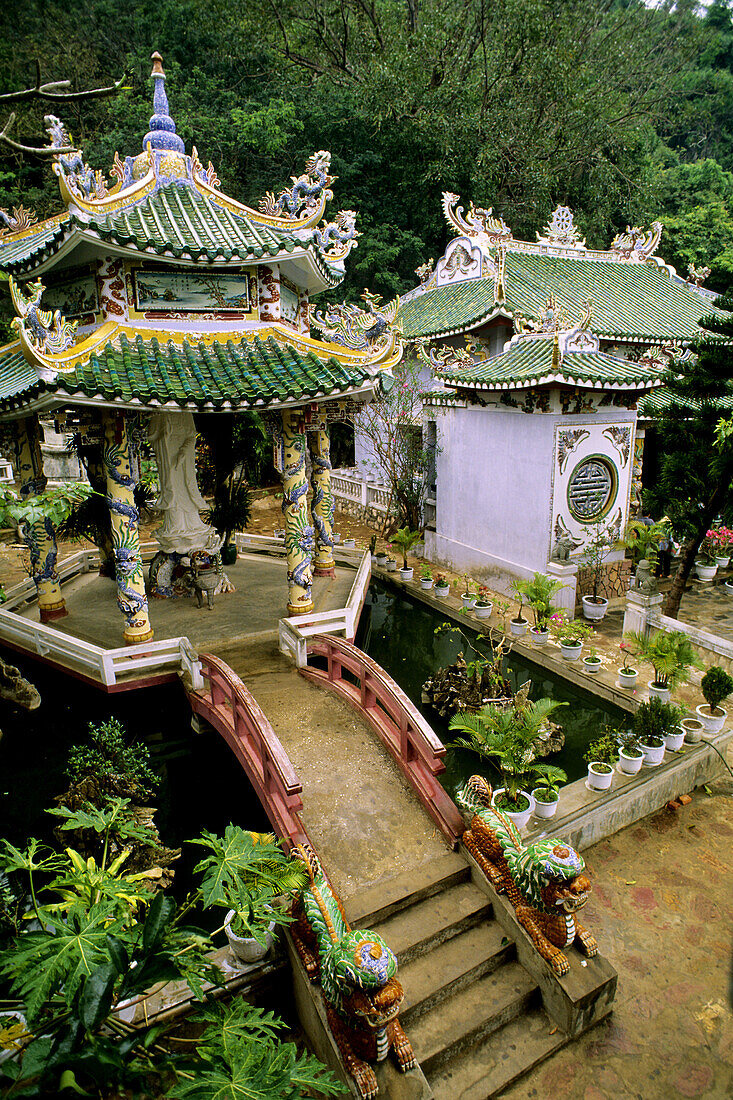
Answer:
(226, 704)
(415, 747)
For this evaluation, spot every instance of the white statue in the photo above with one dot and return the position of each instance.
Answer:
(173, 438)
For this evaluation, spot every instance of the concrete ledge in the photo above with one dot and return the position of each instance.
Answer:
(587, 816)
(393, 1085)
(577, 1000)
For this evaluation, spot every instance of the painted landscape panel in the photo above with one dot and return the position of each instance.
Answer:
(191, 291)
(75, 297)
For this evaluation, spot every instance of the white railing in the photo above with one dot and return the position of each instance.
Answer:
(355, 489)
(293, 633)
(73, 566)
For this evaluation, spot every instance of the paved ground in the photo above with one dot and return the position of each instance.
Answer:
(709, 607)
(662, 909)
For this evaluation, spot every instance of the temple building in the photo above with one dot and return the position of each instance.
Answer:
(159, 297)
(536, 356)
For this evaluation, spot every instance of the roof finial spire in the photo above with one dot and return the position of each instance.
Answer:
(162, 127)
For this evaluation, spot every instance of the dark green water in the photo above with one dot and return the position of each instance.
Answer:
(399, 634)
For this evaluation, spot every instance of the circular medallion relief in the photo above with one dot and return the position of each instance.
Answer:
(592, 488)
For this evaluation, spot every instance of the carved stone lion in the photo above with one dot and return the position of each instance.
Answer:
(644, 581)
(543, 881)
(563, 547)
(357, 971)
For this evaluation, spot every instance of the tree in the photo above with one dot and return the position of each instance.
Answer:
(695, 481)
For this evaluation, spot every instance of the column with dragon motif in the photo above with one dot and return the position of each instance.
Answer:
(131, 597)
(39, 536)
(298, 531)
(322, 505)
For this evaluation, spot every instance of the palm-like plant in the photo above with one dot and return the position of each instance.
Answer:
(404, 539)
(539, 592)
(507, 736)
(671, 655)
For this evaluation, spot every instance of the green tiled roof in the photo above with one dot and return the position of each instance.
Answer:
(530, 360)
(655, 403)
(47, 237)
(630, 300)
(240, 372)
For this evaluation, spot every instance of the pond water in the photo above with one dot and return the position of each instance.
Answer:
(203, 786)
(399, 633)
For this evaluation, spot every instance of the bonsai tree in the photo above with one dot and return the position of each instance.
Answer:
(653, 719)
(403, 540)
(716, 686)
(599, 546)
(603, 752)
(670, 653)
(506, 736)
(518, 588)
(539, 592)
(245, 872)
(628, 741)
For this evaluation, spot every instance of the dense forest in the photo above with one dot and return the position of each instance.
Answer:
(620, 110)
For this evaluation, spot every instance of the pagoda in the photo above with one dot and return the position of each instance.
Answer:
(159, 297)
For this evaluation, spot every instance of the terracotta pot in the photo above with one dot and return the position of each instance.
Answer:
(599, 780)
(519, 819)
(628, 764)
(712, 723)
(627, 679)
(592, 610)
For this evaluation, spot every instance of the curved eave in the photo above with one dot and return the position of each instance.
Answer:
(497, 310)
(555, 379)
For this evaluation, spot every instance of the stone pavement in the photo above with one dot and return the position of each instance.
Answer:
(662, 910)
(709, 607)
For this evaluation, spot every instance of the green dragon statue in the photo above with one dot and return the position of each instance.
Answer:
(543, 881)
(357, 971)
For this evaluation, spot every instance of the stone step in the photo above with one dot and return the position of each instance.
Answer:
(376, 903)
(465, 1017)
(413, 931)
(451, 966)
(488, 1067)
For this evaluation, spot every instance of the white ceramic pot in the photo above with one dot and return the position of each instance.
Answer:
(722, 562)
(592, 664)
(539, 637)
(673, 741)
(469, 602)
(711, 723)
(442, 590)
(705, 572)
(592, 610)
(598, 780)
(483, 611)
(544, 809)
(694, 730)
(571, 652)
(518, 628)
(381, 560)
(374, 559)
(728, 585)
(349, 544)
(519, 819)
(391, 565)
(246, 949)
(663, 694)
(426, 583)
(336, 538)
(627, 679)
(628, 764)
(406, 574)
(653, 754)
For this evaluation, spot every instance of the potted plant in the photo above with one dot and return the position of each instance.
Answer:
(547, 793)
(426, 578)
(652, 722)
(381, 557)
(442, 588)
(336, 538)
(705, 562)
(626, 674)
(539, 592)
(518, 625)
(592, 662)
(468, 595)
(599, 546)
(693, 730)
(631, 754)
(373, 549)
(349, 544)
(246, 873)
(721, 539)
(506, 736)
(483, 606)
(601, 756)
(391, 565)
(671, 655)
(570, 634)
(716, 685)
(403, 540)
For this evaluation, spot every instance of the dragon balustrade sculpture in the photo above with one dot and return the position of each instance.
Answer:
(338, 237)
(305, 196)
(356, 971)
(19, 219)
(45, 329)
(478, 221)
(544, 881)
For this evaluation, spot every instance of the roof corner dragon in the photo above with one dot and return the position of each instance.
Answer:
(308, 195)
(81, 180)
(44, 330)
(477, 222)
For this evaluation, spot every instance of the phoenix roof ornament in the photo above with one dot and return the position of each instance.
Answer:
(362, 330)
(477, 222)
(45, 330)
(637, 243)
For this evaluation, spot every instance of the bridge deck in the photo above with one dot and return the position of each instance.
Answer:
(358, 810)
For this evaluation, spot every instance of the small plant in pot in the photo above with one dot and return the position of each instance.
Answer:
(601, 756)
(671, 655)
(247, 874)
(404, 540)
(442, 588)
(569, 634)
(518, 625)
(539, 592)
(506, 736)
(391, 565)
(468, 595)
(716, 686)
(373, 549)
(547, 792)
(631, 754)
(626, 674)
(705, 563)
(599, 546)
(484, 605)
(381, 558)
(592, 662)
(653, 723)
(426, 578)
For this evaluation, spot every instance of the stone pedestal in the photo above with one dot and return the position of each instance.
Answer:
(567, 572)
(641, 612)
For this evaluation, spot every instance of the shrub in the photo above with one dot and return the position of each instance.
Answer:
(654, 719)
(716, 686)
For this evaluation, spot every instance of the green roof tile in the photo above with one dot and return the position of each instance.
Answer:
(17, 376)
